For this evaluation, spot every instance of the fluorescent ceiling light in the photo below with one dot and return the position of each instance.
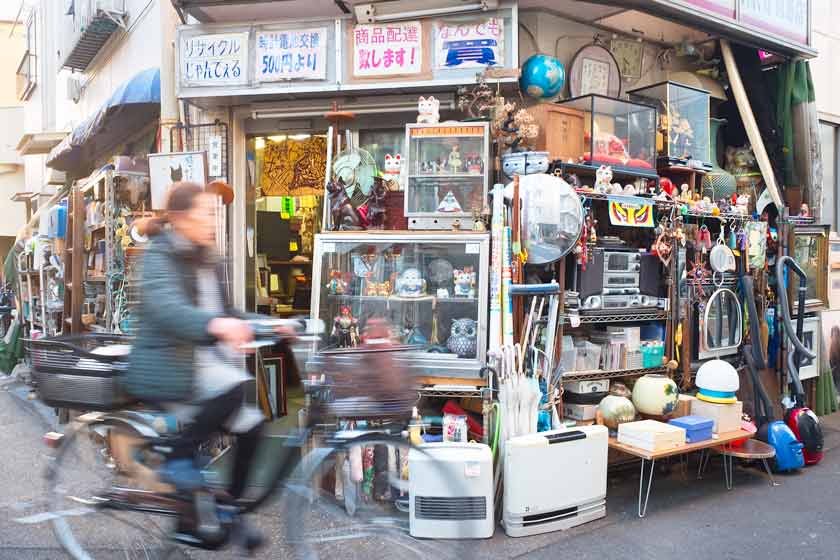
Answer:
(400, 10)
(369, 106)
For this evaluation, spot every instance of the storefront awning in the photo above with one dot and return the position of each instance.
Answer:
(132, 105)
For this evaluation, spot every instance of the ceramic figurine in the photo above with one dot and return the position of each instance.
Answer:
(384, 289)
(478, 223)
(442, 293)
(344, 215)
(449, 204)
(804, 211)
(410, 283)
(393, 167)
(616, 189)
(742, 204)
(464, 281)
(372, 289)
(462, 338)
(631, 189)
(685, 193)
(474, 164)
(603, 179)
(428, 110)
(454, 162)
(346, 329)
(336, 286)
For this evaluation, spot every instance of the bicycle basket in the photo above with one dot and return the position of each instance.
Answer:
(70, 371)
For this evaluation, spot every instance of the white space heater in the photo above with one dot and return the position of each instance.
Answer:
(451, 491)
(555, 480)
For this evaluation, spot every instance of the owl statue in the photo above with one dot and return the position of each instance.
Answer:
(462, 338)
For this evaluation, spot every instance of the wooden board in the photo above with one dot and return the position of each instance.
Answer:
(687, 448)
(452, 381)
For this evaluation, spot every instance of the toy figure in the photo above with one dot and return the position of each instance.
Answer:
(474, 164)
(742, 204)
(685, 193)
(591, 228)
(668, 187)
(478, 223)
(630, 190)
(336, 286)
(428, 110)
(410, 283)
(346, 329)
(603, 179)
(384, 289)
(449, 204)
(804, 211)
(454, 162)
(462, 338)
(393, 167)
(464, 282)
(344, 215)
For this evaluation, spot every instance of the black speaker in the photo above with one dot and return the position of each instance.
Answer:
(590, 282)
(652, 277)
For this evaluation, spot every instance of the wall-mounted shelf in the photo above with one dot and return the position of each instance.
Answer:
(611, 374)
(651, 315)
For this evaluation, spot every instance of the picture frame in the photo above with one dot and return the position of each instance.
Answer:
(808, 245)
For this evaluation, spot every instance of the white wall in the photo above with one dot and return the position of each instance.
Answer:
(12, 214)
(825, 68)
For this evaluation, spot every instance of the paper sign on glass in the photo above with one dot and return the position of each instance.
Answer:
(393, 49)
(291, 55)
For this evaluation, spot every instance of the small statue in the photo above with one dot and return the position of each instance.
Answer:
(616, 189)
(464, 280)
(630, 189)
(685, 194)
(478, 223)
(428, 110)
(410, 283)
(393, 167)
(384, 289)
(344, 215)
(603, 179)
(454, 162)
(462, 338)
(592, 229)
(804, 211)
(337, 285)
(346, 329)
(374, 212)
(742, 204)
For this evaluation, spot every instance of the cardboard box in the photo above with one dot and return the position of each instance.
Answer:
(683, 407)
(585, 387)
(651, 435)
(580, 411)
(561, 131)
(727, 417)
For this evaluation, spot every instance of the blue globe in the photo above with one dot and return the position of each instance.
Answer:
(542, 76)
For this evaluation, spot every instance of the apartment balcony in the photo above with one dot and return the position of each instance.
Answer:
(91, 25)
(10, 133)
(27, 75)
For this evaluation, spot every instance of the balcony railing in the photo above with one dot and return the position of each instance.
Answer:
(27, 75)
(89, 28)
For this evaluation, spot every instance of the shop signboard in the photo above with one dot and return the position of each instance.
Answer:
(388, 49)
(776, 21)
(469, 45)
(291, 55)
(214, 59)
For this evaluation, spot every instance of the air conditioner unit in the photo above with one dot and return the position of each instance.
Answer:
(451, 491)
(555, 480)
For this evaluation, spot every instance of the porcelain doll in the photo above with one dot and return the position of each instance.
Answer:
(428, 110)
(454, 162)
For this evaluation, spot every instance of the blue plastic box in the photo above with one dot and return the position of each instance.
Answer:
(697, 428)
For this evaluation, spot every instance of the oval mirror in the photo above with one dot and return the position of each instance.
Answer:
(721, 325)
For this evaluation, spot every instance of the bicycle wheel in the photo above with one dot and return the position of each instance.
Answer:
(327, 513)
(92, 463)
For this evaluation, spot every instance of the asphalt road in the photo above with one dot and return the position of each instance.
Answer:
(687, 519)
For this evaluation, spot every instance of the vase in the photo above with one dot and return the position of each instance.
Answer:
(717, 183)
(616, 410)
(655, 395)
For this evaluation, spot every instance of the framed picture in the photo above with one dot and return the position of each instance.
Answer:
(165, 169)
(811, 335)
(809, 248)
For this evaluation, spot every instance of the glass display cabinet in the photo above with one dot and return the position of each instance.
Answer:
(447, 173)
(618, 133)
(683, 136)
(431, 288)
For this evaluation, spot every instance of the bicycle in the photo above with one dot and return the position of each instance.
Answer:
(104, 474)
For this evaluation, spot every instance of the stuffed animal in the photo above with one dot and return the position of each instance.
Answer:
(428, 109)
(603, 179)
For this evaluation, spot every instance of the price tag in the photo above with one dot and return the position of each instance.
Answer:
(328, 247)
(472, 248)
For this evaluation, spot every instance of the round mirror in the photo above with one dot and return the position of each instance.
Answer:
(552, 217)
(721, 329)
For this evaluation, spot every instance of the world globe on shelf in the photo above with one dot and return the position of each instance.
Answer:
(542, 77)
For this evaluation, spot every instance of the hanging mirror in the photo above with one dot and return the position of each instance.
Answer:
(721, 325)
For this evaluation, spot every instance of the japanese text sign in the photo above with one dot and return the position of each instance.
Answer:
(289, 55)
(217, 59)
(469, 45)
(388, 49)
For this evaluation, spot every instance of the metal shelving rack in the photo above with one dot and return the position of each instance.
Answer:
(611, 374)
